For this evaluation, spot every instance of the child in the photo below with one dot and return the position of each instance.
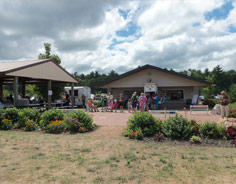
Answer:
(129, 105)
(110, 103)
(102, 102)
(89, 105)
(115, 105)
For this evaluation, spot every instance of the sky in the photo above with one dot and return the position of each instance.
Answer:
(120, 35)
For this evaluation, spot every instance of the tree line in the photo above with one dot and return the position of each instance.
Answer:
(218, 78)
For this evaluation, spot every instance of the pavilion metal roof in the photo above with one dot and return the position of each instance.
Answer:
(45, 69)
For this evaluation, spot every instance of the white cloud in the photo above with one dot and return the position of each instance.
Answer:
(84, 33)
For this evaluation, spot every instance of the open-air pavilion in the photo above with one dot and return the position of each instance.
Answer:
(34, 72)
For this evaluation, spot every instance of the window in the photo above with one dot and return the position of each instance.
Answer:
(75, 92)
(173, 94)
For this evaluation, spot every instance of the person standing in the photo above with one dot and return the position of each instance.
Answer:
(66, 99)
(143, 101)
(134, 101)
(224, 102)
(83, 101)
(149, 101)
(115, 105)
(102, 102)
(164, 102)
(129, 105)
(121, 102)
(156, 101)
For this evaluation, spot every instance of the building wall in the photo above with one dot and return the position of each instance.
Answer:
(162, 79)
(188, 91)
(171, 105)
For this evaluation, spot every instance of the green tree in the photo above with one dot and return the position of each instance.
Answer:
(232, 93)
(218, 79)
(209, 90)
(48, 55)
(57, 88)
(94, 79)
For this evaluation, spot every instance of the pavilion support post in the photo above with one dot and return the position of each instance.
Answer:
(49, 93)
(15, 89)
(109, 90)
(23, 89)
(72, 95)
(1, 90)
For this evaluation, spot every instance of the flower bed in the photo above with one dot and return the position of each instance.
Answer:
(51, 121)
(177, 128)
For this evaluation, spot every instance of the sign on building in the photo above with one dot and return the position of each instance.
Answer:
(150, 88)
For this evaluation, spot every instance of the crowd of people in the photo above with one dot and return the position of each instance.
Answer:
(134, 103)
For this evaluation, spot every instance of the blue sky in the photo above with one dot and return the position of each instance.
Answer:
(121, 35)
(221, 12)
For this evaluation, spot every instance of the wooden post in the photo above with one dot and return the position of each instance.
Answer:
(72, 96)
(185, 111)
(23, 89)
(15, 88)
(49, 87)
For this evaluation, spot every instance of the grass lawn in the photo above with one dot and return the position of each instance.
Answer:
(34, 157)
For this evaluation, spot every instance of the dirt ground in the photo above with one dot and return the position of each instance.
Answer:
(104, 156)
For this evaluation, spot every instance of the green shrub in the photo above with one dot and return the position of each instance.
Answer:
(55, 127)
(83, 130)
(30, 125)
(2, 114)
(12, 114)
(148, 125)
(211, 130)
(50, 115)
(178, 127)
(137, 134)
(232, 110)
(27, 114)
(72, 124)
(6, 124)
(82, 120)
(195, 139)
(129, 133)
(211, 102)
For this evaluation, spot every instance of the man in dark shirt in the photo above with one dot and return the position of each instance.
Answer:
(66, 100)
(84, 100)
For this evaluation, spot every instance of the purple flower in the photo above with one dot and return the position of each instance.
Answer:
(72, 119)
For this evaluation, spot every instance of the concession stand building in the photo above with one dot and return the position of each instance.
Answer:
(178, 88)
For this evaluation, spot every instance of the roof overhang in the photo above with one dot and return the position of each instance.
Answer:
(129, 73)
(37, 70)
